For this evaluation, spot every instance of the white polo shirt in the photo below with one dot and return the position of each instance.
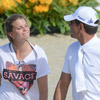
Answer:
(91, 63)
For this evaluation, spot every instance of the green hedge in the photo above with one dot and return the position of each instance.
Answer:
(44, 16)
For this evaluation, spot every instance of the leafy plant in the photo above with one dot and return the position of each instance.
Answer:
(44, 16)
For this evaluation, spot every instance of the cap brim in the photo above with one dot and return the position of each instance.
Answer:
(68, 18)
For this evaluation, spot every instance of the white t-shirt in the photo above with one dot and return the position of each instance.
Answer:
(91, 63)
(21, 85)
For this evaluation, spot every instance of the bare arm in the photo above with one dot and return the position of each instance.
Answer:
(43, 88)
(62, 87)
(0, 78)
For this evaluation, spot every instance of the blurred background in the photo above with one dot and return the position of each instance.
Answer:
(44, 16)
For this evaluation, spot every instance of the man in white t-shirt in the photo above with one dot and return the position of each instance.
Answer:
(82, 59)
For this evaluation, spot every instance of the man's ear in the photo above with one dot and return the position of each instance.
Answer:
(82, 27)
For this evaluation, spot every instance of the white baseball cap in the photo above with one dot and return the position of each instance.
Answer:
(84, 14)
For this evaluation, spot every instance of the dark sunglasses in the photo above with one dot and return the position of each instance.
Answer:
(71, 22)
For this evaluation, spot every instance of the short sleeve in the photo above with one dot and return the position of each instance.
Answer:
(66, 67)
(1, 65)
(43, 67)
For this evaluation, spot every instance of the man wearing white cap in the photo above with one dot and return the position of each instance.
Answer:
(82, 59)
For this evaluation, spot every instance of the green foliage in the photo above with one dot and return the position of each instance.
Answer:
(46, 22)
(2, 33)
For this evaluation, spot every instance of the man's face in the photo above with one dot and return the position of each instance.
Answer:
(74, 29)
